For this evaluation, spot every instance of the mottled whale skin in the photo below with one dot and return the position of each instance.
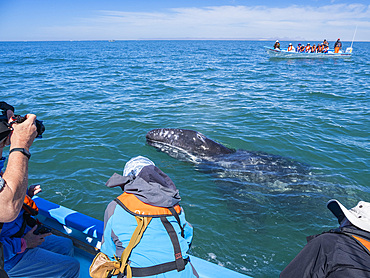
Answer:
(185, 144)
(256, 167)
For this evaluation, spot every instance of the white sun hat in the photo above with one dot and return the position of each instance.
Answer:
(134, 165)
(359, 216)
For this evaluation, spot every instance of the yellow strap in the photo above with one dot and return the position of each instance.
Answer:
(142, 223)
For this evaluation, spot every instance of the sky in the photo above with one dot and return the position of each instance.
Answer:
(304, 20)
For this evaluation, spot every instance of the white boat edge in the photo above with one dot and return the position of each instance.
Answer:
(86, 233)
(277, 53)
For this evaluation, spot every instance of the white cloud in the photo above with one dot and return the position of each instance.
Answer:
(228, 22)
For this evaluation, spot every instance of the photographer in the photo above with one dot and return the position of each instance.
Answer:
(27, 248)
(13, 183)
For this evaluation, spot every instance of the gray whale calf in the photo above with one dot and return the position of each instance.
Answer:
(210, 156)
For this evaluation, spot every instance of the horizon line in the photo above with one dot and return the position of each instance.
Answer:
(178, 39)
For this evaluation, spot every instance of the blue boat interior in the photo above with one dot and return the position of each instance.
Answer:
(86, 233)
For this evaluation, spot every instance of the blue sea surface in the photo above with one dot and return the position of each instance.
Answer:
(99, 99)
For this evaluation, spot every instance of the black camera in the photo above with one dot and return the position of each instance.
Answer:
(39, 125)
(5, 128)
(41, 229)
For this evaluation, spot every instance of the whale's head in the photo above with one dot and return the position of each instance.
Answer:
(185, 144)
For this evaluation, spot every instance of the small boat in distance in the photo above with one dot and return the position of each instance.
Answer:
(284, 53)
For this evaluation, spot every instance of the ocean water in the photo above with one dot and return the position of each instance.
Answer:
(99, 99)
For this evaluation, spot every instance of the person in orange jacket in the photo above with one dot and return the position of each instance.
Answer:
(313, 49)
(337, 46)
(277, 45)
(319, 48)
(325, 49)
(308, 48)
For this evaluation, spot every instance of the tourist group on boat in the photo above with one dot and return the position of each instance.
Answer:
(308, 48)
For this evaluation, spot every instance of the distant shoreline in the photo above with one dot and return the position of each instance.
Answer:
(184, 39)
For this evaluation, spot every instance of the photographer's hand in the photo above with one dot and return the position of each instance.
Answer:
(33, 240)
(24, 133)
(33, 190)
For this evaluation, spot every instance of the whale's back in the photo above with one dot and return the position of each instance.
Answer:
(185, 144)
